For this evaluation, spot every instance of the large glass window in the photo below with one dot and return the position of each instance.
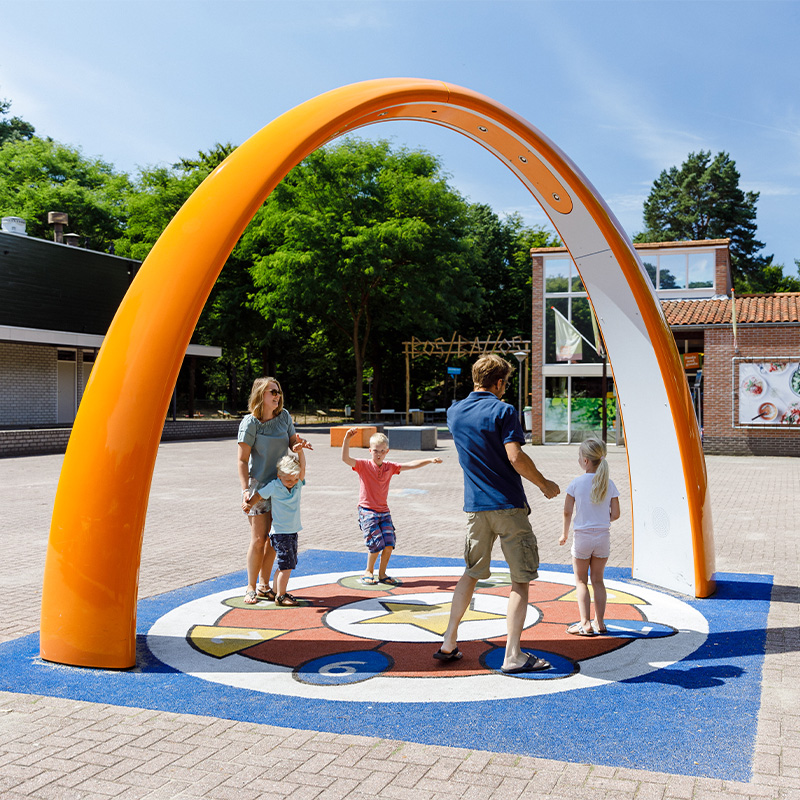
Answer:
(651, 266)
(680, 270)
(672, 271)
(570, 299)
(562, 305)
(556, 410)
(573, 409)
(701, 270)
(581, 318)
(556, 274)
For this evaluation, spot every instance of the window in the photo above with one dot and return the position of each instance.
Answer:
(672, 271)
(680, 270)
(701, 270)
(565, 292)
(556, 274)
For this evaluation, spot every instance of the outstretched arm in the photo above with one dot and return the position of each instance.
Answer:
(301, 457)
(524, 465)
(420, 462)
(346, 457)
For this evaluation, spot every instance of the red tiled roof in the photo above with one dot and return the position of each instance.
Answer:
(750, 308)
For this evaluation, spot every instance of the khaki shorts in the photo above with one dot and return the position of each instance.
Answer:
(512, 527)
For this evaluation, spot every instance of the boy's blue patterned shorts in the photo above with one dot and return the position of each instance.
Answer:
(378, 529)
(285, 545)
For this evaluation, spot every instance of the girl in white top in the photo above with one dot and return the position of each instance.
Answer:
(595, 501)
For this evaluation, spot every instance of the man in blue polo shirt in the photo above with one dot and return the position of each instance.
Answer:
(489, 439)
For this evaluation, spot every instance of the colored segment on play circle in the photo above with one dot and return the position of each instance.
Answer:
(339, 669)
(220, 641)
(560, 667)
(638, 629)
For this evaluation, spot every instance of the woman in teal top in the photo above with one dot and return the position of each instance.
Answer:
(266, 434)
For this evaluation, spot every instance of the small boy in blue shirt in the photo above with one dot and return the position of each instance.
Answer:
(285, 492)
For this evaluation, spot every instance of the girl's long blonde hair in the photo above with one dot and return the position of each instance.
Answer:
(595, 451)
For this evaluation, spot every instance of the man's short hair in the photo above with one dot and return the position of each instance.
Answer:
(487, 370)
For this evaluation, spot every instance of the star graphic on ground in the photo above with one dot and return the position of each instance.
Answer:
(433, 618)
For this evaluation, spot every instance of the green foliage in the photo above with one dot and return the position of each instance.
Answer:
(369, 246)
(40, 175)
(360, 248)
(227, 318)
(504, 272)
(772, 279)
(14, 128)
(702, 200)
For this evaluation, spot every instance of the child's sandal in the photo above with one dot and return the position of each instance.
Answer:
(287, 600)
(265, 592)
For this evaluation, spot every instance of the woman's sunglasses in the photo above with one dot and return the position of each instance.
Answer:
(275, 392)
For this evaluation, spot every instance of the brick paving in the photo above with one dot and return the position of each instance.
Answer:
(55, 748)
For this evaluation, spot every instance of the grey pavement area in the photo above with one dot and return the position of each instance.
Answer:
(56, 748)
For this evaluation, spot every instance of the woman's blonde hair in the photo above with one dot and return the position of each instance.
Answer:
(595, 451)
(289, 465)
(260, 386)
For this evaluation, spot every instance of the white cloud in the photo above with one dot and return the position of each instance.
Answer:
(767, 189)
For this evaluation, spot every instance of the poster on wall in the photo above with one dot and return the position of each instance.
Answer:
(769, 393)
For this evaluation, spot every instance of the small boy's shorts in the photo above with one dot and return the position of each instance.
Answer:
(378, 529)
(285, 545)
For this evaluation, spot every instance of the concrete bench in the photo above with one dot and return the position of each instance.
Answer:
(412, 437)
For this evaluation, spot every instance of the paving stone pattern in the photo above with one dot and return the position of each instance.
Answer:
(64, 749)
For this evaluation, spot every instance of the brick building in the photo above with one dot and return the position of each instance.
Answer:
(56, 303)
(692, 281)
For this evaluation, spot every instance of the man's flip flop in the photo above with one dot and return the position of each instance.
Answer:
(390, 580)
(453, 655)
(533, 664)
(578, 630)
(367, 580)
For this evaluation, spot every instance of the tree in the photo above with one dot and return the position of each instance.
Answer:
(14, 128)
(40, 175)
(366, 245)
(504, 271)
(227, 318)
(702, 200)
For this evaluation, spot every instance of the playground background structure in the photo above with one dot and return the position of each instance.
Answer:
(90, 589)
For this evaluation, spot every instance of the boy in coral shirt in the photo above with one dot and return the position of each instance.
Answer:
(374, 517)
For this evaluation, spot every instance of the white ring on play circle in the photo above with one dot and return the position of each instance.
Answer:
(167, 641)
(350, 619)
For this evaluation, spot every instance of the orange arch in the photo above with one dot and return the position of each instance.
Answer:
(91, 572)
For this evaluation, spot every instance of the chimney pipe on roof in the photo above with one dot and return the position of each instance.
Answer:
(13, 225)
(58, 219)
(72, 239)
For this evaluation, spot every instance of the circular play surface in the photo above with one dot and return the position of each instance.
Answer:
(351, 642)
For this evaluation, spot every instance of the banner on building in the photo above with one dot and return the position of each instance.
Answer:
(769, 393)
(569, 342)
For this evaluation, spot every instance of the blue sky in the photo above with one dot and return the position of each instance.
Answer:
(626, 89)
